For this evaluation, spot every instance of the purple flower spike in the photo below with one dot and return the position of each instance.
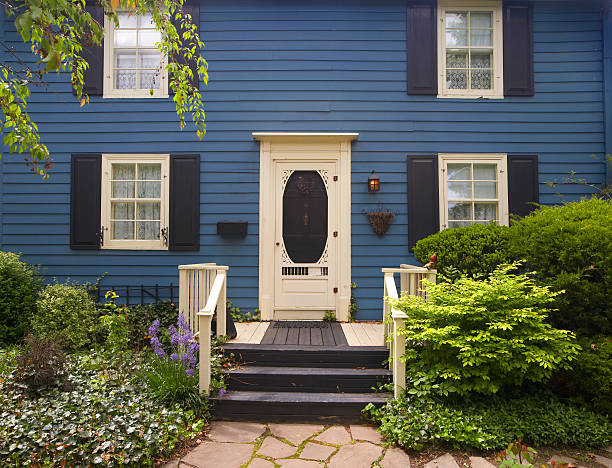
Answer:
(173, 357)
(222, 392)
(189, 372)
(154, 328)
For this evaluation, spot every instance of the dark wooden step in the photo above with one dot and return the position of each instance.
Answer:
(308, 356)
(294, 406)
(306, 379)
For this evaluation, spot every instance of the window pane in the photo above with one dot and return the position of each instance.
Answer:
(125, 38)
(485, 171)
(456, 37)
(148, 211)
(125, 59)
(122, 211)
(125, 79)
(485, 211)
(149, 59)
(122, 230)
(149, 172)
(456, 79)
(124, 171)
(149, 79)
(459, 190)
(147, 230)
(454, 224)
(481, 79)
(148, 37)
(459, 211)
(456, 59)
(127, 19)
(149, 189)
(481, 60)
(122, 190)
(458, 171)
(146, 21)
(457, 19)
(480, 20)
(480, 38)
(485, 189)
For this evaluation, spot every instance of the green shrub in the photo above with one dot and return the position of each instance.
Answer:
(19, 285)
(65, 313)
(490, 424)
(483, 335)
(570, 247)
(474, 250)
(140, 317)
(590, 380)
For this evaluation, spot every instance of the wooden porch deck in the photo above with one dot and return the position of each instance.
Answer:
(323, 334)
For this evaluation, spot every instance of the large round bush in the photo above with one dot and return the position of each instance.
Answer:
(65, 313)
(570, 248)
(19, 284)
(474, 250)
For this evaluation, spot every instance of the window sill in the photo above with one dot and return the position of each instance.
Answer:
(470, 96)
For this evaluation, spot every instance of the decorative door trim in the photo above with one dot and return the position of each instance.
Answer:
(303, 147)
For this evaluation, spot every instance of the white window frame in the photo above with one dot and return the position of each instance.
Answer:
(107, 161)
(500, 159)
(494, 6)
(109, 90)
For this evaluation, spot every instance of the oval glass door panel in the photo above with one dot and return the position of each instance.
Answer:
(305, 216)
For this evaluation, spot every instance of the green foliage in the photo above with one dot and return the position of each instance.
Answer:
(590, 379)
(490, 424)
(65, 313)
(474, 250)
(40, 363)
(19, 285)
(329, 316)
(55, 31)
(104, 419)
(140, 317)
(517, 455)
(570, 247)
(353, 307)
(115, 322)
(480, 336)
(239, 316)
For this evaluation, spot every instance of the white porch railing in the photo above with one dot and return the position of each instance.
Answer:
(202, 291)
(411, 283)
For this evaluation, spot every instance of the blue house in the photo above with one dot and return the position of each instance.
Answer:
(463, 109)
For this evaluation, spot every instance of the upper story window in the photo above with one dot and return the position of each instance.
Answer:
(470, 48)
(135, 201)
(133, 67)
(473, 189)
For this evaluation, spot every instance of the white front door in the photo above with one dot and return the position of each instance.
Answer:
(306, 235)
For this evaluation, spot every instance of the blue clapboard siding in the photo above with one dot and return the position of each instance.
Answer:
(325, 66)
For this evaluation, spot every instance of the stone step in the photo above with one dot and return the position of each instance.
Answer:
(294, 406)
(306, 379)
(308, 356)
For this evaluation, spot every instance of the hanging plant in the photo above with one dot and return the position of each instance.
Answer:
(380, 221)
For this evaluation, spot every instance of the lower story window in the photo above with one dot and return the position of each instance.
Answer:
(473, 189)
(135, 201)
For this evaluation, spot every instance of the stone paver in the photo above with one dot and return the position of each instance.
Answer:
(316, 451)
(296, 463)
(563, 459)
(609, 449)
(227, 455)
(275, 448)
(235, 431)
(395, 458)
(479, 462)
(359, 455)
(604, 461)
(366, 433)
(445, 461)
(174, 463)
(336, 435)
(261, 463)
(295, 433)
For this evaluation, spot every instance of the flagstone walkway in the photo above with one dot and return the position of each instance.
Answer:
(254, 445)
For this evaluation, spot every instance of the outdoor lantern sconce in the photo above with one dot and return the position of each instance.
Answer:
(373, 183)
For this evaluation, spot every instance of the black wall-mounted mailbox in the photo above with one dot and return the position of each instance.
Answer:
(232, 228)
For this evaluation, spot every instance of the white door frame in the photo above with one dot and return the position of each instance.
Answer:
(303, 147)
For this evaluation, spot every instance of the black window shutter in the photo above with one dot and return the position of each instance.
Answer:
(184, 202)
(193, 8)
(85, 189)
(523, 189)
(93, 78)
(422, 47)
(518, 49)
(423, 210)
